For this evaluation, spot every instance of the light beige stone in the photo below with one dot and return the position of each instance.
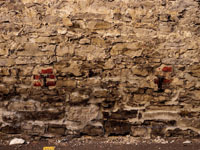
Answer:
(118, 49)
(83, 114)
(9, 80)
(139, 71)
(64, 49)
(74, 68)
(67, 22)
(43, 40)
(24, 106)
(66, 83)
(84, 41)
(90, 52)
(132, 53)
(98, 42)
(6, 62)
(3, 49)
(99, 25)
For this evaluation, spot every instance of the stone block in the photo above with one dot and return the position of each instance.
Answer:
(11, 129)
(139, 131)
(84, 41)
(56, 129)
(133, 53)
(196, 94)
(100, 93)
(64, 49)
(98, 42)
(10, 117)
(43, 40)
(41, 115)
(24, 106)
(67, 22)
(4, 71)
(83, 114)
(117, 127)
(71, 68)
(121, 115)
(4, 89)
(92, 131)
(118, 49)
(99, 25)
(195, 70)
(90, 52)
(181, 133)
(78, 96)
(26, 71)
(159, 115)
(9, 80)
(66, 83)
(139, 71)
(6, 62)
(3, 50)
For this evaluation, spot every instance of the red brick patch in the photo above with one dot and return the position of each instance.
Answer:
(51, 76)
(37, 84)
(51, 83)
(47, 71)
(156, 81)
(166, 81)
(167, 69)
(36, 77)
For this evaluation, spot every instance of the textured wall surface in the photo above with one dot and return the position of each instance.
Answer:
(100, 67)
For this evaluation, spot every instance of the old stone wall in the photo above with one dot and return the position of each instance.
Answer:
(100, 67)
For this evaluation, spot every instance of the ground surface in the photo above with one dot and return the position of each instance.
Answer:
(114, 143)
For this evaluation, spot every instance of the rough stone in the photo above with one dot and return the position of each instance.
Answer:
(56, 129)
(194, 70)
(62, 50)
(84, 115)
(139, 131)
(66, 83)
(106, 68)
(23, 106)
(4, 89)
(9, 80)
(6, 62)
(99, 25)
(139, 71)
(91, 52)
(67, 22)
(117, 128)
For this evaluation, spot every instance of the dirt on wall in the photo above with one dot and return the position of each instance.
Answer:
(99, 67)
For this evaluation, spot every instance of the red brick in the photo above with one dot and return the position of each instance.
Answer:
(51, 76)
(156, 81)
(166, 81)
(36, 77)
(47, 71)
(167, 69)
(51, 83)
(37, 84)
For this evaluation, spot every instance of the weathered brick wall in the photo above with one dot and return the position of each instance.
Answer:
(100, 67)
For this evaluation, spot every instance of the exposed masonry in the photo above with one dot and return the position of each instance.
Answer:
(99, 67)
